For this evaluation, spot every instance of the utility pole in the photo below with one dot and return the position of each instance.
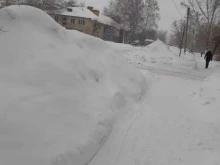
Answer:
(181, 44)
(193, 40)
(187, 24)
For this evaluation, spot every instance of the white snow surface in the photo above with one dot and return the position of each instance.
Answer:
(208, 96)
(61, 91)
(71, 99)
(178, 122)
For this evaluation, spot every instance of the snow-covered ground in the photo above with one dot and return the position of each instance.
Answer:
(61, 91)
(71, 99)
(179, 120)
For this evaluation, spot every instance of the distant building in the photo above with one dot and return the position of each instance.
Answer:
(89, 21)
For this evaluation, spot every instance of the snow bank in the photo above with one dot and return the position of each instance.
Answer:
(159, 53)
(153, 53)
(157, 47)
(60, 90)
(208, 96)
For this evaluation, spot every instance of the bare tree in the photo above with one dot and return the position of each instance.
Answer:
(150, 18)
(8, 2)
(206, 16)
(177, 32)
(162, 35)
(82, 4)
(35, 3)
(72, 3)
(113, 10)
(47, 4)
(139, 16)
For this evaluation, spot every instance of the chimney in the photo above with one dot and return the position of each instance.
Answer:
(96, 12)
(90, 8)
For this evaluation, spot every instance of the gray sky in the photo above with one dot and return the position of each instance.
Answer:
(168, 11)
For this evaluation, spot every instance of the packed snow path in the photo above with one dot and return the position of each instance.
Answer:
(165, 130)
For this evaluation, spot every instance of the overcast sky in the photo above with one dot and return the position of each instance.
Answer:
(168, 11)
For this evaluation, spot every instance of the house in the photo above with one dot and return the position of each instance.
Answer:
(89, 21)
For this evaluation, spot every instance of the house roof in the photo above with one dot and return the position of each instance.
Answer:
(83, 12)
(108, 21)
(79, 12)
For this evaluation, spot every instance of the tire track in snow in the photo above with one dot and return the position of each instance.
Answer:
(175, 73)
(125, 136)
(141, 112)
(104, 139)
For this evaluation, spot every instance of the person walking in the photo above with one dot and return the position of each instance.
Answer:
(202, 52)
(208, 58)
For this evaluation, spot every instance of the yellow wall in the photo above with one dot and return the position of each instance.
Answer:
(87, 28)
(98, 30)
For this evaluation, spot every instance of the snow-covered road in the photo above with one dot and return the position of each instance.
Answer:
(166, 128)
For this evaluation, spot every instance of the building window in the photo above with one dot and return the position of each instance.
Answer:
(56, 18)
(72, 21)
(81, 22)
(64, 23)
(64, 19)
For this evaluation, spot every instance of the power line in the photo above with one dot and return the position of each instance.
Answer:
(177, 7)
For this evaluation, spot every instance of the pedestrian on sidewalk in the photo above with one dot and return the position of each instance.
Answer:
(208, 58)
(202, 52)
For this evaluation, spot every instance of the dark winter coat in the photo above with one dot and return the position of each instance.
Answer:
(208, 56)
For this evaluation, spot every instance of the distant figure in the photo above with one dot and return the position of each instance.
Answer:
(201, 53)
(208, 58)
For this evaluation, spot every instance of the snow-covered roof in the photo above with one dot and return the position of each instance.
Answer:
(83, 12)
(108, 21)
(79, 12)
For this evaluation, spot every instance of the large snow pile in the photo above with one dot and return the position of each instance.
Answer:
(60, 90)
(158, 53)
(208, 96)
